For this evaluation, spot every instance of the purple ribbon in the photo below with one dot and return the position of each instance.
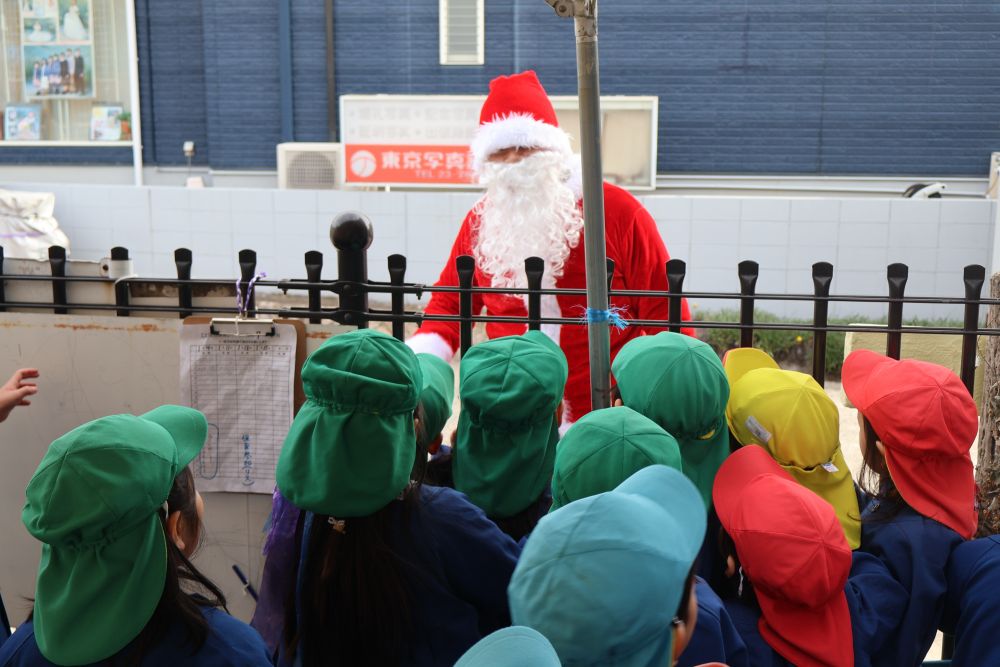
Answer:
(243, 302)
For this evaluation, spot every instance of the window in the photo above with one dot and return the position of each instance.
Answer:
(65, 77)
(461, 32)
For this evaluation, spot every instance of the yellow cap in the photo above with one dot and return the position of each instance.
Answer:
(789, 415)
(741, 360)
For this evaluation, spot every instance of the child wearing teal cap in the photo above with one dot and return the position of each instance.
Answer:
(608, 579)
(114, 505)
(391, 571)
(602, 450)
(511, 390)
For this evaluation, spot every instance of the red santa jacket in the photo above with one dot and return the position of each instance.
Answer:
(640, 256)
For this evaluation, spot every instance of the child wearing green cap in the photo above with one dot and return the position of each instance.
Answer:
(608, 579)
(602, 450)
(390, 571)
(511, 390)
(114, 504)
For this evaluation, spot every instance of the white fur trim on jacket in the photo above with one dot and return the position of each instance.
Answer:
(431, 343)
(516, 129)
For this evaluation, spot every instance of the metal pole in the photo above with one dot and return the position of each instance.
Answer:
(133, 83)
(584, 14)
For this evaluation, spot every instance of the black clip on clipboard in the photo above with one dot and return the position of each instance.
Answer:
(241, 327)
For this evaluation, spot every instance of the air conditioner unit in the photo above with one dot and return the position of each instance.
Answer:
(308, 166)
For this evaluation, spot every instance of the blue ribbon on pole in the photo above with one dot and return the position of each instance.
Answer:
(613, 316)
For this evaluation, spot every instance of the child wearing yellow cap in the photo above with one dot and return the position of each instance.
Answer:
(114, 505)
(797, 423)
(391, 571)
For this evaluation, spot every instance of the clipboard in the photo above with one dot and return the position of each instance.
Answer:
(250, 327)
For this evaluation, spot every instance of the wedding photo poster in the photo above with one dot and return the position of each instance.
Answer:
(57, 48)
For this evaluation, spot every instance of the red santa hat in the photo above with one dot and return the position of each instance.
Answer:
(517, 112)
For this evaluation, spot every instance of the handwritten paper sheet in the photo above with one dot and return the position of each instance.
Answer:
(244, 386)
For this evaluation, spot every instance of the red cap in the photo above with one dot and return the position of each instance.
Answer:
(520, 93)
(793, 550)
(927, 420)
(517, 113)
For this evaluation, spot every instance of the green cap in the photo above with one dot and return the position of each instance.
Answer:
(507, 430)
(678, 382)
(93, 502)
(350, 449)
(603, 449)
(515, 646)
(602, 577)
(437, 393)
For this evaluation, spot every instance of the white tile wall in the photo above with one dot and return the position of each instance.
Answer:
(937, 238)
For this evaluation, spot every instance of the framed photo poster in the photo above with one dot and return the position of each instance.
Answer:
(22, 122)
(105, 123)
(57, 48)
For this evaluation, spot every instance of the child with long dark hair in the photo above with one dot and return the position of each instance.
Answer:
(918, 422)
(390, 572)
(114, 504)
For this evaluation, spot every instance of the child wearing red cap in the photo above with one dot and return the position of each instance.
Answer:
(799, 589)
(918, 424)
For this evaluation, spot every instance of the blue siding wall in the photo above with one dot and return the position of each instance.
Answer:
(773, 86)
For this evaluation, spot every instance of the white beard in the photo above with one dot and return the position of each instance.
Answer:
(529, 210)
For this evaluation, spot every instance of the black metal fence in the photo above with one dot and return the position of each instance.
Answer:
(352, 235)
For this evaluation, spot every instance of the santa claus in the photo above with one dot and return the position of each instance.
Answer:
(533, 207)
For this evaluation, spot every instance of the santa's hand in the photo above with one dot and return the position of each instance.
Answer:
(15, 391)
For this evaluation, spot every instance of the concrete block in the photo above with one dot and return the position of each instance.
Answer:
(708, 232)
(770, 258)
(88, 217)
(961, 235)
(862, 259)
(129, 196)
(294, 224)
(918, 259)
(252, 200)
(802, 257)
(165, 242)
(765, 209)
(912, 235)
(211, 220)
(705, 256)
(390, 226)
(715, 208)
(763, 233)
(214, 243)
(950, 260)
(967, 211)
(334, 202)
(806, 232)
(211, 199)
(863, 209)
(252, 223)
(675, 234)
(667, 209)
(771, 281)
(92, 196)
(915, 211)
(171, 219)
(131, 230)
(86, 237)
(814, 210)
(295, 201)
(374, 204)
(168, 198)
(863, 234)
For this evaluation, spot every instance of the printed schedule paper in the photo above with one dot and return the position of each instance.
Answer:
(244, 386)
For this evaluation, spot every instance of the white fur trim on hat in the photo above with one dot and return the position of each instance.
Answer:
(431, 343)
(516, 129)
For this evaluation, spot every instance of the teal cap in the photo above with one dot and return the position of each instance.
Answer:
(679, 382)
(515, 646)
(437, 393)
(602, 577)
(507, 430)
(350, 449)
(604, 448)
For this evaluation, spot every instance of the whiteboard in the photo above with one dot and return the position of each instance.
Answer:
(96, 366)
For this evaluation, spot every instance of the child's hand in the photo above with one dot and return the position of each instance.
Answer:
(15, 391)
